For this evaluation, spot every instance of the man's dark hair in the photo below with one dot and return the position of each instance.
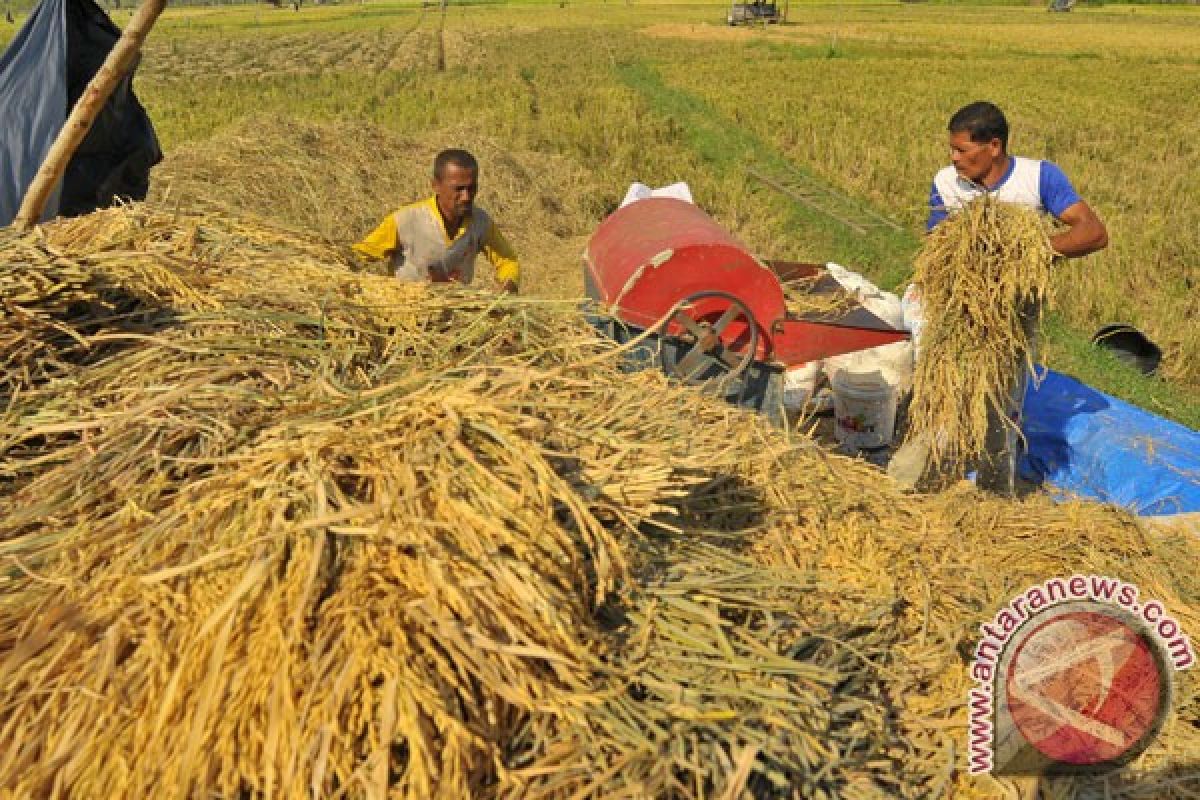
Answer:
(459, 158)
(983, 121)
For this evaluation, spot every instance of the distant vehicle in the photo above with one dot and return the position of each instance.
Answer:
(755, 11)
(1061, 5)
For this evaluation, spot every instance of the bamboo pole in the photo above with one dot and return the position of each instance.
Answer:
(89, 104)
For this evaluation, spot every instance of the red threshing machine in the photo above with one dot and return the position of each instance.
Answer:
(716, 314)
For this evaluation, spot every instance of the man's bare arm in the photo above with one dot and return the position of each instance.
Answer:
(1085, 232)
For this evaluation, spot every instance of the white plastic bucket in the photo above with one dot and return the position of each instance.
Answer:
(893, 363)
(864, 410)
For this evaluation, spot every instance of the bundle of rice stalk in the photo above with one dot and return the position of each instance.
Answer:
(93, 272)
(360, 595)
(80, 288)
(206, 262)
(726, 687)
(983, 274)
(197, 261)
(36, 294)
(180, 518)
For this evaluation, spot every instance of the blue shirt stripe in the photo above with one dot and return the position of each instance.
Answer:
(937, 208)
(1055, 189)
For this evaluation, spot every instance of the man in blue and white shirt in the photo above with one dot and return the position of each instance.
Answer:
(980, 164)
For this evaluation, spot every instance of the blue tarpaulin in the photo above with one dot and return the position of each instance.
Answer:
(1089, 444)
(33, 94)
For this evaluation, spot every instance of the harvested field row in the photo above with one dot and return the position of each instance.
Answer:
(182, 58)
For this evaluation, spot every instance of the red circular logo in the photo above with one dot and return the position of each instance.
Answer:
(1087, 688)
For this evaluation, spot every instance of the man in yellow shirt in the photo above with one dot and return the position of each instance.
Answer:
(438, 238)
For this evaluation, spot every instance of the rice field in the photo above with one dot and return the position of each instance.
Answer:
(273, 525)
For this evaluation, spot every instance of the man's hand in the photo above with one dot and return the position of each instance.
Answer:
(509, 287)
(1085, 233)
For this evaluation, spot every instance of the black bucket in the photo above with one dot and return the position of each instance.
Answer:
(1130, 345)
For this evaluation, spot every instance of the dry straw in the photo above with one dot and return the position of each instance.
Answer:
(826, 304)
(337, 537)
(983, 274)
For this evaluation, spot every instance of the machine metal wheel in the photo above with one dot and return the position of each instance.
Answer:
(702, 354)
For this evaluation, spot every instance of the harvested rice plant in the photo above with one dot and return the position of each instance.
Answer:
(985, 275)
(275, 525)
(341, 536)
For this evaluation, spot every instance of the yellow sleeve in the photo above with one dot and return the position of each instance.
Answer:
(501, 254)
(380, 242)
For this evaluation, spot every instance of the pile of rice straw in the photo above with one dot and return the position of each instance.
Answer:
(273, 527)
(983, 274)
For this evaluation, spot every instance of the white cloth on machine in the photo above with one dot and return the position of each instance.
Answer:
(893, 361)
(640, 191)
(914, 314)
(884, 305)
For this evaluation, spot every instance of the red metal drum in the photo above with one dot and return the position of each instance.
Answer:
(651, 254)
